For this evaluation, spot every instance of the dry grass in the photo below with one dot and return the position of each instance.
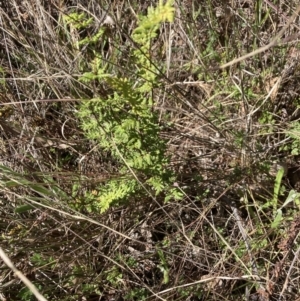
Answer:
(224, 127)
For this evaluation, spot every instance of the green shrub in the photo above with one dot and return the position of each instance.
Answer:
(124, 123)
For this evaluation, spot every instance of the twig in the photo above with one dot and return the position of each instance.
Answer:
(276, 41)
(22, 277)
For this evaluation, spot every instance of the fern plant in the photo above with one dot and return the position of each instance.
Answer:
(124, 122)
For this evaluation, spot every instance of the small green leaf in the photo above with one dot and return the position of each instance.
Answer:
(277, 219)
(41, 190)
(278, 179)
(277, 186)
(293, 196)
(23, 208)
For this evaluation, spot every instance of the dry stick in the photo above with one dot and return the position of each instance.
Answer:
(279, 11)
(41, 100)
(79, 217)
(276, 41)
(22, 277)
(287, 278)
(207, 280)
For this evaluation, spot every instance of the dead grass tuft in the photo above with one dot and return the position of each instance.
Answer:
(228, 132)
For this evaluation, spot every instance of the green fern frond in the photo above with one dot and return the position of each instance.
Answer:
(150, 24)
(124, 122)
(115, 191)
(77, 20)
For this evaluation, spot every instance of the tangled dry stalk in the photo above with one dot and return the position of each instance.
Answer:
(228, 130)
